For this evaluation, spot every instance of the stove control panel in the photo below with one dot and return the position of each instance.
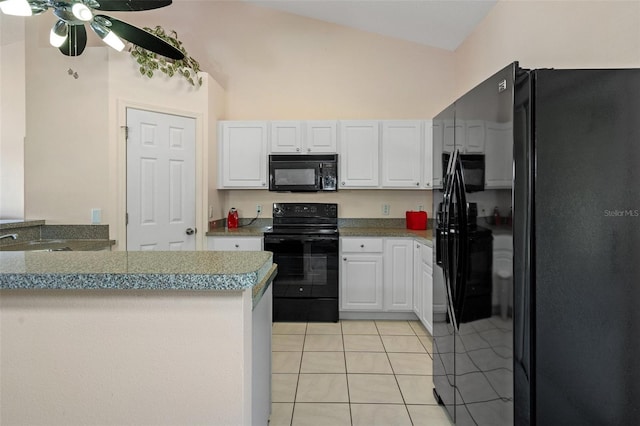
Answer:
(310, 210)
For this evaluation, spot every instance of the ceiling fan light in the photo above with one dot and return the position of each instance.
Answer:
(82, 12)
(16, 7)
(108, 36)
(58, 34)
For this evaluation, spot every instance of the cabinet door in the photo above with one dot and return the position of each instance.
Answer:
(475, 136)
(359, 146)
(499, 155)
(427, 297)
(286, 137)
(234, 243)
(427, 158)
(417, 280)
(398, 275)
(437, 142)
(243, 158)
(321, 137)
(453, 135)
(361, 282)
(401, 154)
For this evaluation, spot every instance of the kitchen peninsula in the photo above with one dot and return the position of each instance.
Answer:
(135, 337)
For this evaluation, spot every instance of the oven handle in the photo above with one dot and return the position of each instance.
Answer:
(303, 238)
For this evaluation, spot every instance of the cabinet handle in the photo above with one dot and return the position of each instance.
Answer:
(237, 245)
(361, 245)
(344, 258)
(428, 183)
(264, 184)
(297, 149)
(308, 149)
(342, 183)
(417, 183)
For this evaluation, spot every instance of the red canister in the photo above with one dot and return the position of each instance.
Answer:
(232, 218)
(416, 220)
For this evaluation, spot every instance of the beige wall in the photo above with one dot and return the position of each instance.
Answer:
(66, 146)
(12, 117)
(551, 34)
(274, 65)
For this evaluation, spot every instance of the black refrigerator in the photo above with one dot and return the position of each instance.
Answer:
(548, 161)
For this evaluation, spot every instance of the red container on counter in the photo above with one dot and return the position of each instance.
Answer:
(416, 220)
(232, 218)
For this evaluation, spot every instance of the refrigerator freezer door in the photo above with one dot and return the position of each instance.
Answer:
(587, 247)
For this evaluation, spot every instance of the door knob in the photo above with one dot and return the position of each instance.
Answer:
(190, 231)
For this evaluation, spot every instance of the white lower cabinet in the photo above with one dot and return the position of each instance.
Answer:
(423, 285)
(398, 275)
(361, 274)
(234, 243)
(386, 275)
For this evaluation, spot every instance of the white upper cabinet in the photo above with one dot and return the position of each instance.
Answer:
(499, 155)
(402, 151)
(303, 137)
(475, 136)
(320, 137)
(286, 137)
(243, 154)
(437, 142)
(359, 154)
(468, 136)
(452, 134)
(427, 158)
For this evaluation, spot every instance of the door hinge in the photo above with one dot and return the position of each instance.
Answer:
(126, 218)
(126, 132)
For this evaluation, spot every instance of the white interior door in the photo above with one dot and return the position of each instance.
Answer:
(161, 181)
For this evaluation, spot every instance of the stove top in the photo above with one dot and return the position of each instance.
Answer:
(305, 218)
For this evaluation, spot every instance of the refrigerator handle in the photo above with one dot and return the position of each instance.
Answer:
(462, 253)
(447, 238)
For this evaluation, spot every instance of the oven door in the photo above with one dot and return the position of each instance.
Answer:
(307, 265)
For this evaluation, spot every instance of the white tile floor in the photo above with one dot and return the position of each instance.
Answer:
(353, 373)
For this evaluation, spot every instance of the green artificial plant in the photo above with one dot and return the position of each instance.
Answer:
(149, 61)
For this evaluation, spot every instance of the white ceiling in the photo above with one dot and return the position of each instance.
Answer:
(439, 23)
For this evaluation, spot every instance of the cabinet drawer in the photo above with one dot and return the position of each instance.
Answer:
(362, 245)
(234, 243)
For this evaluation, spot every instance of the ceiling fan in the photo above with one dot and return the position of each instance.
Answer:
(70, 36)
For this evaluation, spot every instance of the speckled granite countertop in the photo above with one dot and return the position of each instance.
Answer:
(422, 236)
(14, 223)
(348, 231)
(196, 270)
(247, 231)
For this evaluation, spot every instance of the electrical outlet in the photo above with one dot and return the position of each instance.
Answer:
(258, 208)
(420, 207)
(385, 209)
(96, 216)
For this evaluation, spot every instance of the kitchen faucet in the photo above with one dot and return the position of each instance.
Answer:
(12, 236)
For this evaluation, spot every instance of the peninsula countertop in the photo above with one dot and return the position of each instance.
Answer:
(195, 270)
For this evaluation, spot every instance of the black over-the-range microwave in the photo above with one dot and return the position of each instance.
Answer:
(303, 173)
(473, 171)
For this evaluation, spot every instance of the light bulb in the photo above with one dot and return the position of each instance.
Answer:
(58, 34)
(82, 12)
(107, 36)
(16, 7)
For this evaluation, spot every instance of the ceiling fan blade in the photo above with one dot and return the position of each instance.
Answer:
(131, 5)
(76, 41)
(142, 38)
